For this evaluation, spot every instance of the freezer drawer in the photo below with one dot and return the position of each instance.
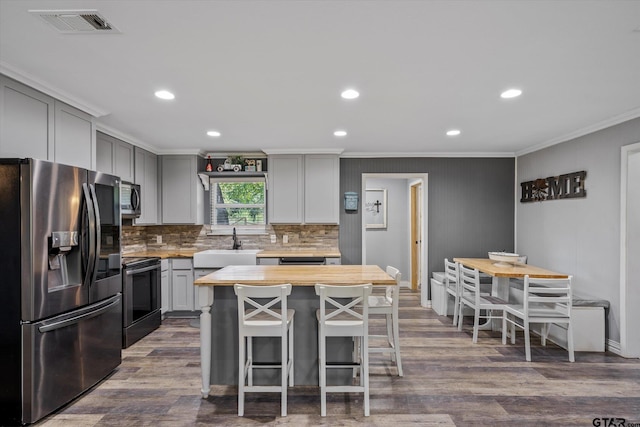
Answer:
(66, 355)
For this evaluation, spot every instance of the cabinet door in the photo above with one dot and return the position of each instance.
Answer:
(75, 138)
(123, 161)
(182, 290)
(104, 153)
(146, 175)
(321, 189)
(165, 296)
(182, 193)
(285, 191)
(26, 121)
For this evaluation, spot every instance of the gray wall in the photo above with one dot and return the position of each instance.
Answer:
(579, 236)
(396, 235)
(471, 205)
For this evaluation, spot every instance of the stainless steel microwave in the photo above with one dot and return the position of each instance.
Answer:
(130, 200)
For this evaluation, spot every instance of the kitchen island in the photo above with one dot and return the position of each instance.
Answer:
(219, 318)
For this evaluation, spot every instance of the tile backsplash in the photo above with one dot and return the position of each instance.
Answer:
(194, 237)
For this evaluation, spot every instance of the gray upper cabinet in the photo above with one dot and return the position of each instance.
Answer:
(114, 156)
(26, 121)
(304, 189)
(33, 124)
(321, 189)
(75, 137)
(146, 175)
(182, 192)
(285, 190)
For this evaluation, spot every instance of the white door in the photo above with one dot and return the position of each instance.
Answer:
(630, 252)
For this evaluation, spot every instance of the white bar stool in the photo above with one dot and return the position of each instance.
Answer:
(258, 317)
(387, 305)
(337, 318)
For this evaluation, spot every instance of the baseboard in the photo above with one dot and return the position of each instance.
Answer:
(614, 347)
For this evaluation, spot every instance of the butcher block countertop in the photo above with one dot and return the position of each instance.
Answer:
(175, 253)
(293, 253)
(297, 275)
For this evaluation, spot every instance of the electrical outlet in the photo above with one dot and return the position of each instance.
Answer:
(285, 239)
(159, 238)
(273, 238)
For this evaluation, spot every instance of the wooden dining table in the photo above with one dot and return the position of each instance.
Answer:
(502, 274)
(302, 278)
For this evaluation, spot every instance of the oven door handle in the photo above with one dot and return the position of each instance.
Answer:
(142, 270)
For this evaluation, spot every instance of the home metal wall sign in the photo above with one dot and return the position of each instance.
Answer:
(567, 186)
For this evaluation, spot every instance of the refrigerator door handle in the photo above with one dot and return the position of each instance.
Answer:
(91, 261)
(76, 319)
(96, 212)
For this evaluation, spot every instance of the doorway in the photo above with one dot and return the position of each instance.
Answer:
(402, 240)
(630, 251)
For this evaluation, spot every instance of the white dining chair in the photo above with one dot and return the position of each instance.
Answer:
(451, 285)
(471, 296)
(387, 305)
(343, 312)
(546, 302)
(260, 316)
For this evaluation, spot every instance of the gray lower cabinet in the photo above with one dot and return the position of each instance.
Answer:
(268, 261)
(114, 156)
(146, 175)
(182, 295)
(182, 192)
(165, 287)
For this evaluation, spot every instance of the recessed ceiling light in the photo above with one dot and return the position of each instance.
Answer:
(340, 133)
(453, 132)
(213, 133)
(511, 93)
(350, 94)
(164, 94)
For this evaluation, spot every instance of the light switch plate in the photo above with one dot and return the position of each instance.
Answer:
(273, 238)
(159, 238)
(285, 239)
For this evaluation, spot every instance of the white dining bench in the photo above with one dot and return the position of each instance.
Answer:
(588, 315)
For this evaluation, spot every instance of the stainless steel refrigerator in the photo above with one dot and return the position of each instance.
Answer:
(60, 285)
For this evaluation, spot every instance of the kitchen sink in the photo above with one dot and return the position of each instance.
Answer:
(217, 258)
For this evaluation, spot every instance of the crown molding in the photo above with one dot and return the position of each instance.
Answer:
(272, 151)
(426, 154)
(612, 121)
(49, 89)
(125, 137)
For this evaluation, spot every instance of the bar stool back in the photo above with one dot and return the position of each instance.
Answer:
(259, 317)
(337, 318)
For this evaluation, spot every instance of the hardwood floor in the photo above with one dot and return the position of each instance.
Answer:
(448, 381)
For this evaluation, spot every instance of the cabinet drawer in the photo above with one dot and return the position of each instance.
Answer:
(181, 264)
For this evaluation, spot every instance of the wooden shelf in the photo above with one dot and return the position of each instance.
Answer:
(232, 174)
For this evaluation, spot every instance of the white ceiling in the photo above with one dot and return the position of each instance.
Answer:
(268, 74)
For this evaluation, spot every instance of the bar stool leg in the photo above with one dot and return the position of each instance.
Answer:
(241, 375)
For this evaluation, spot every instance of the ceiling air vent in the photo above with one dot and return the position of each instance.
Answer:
(76, 21)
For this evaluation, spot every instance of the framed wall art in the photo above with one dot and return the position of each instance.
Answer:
(375, 208)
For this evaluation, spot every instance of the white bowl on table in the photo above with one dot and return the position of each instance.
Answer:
(504, 259)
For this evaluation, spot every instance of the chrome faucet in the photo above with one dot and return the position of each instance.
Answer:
(236, 244)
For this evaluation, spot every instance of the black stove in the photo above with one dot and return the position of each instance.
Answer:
(141, 299)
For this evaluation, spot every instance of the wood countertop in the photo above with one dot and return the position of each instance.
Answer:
(297, 275)
(175, 253)
(514, 271)
(304, 253)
